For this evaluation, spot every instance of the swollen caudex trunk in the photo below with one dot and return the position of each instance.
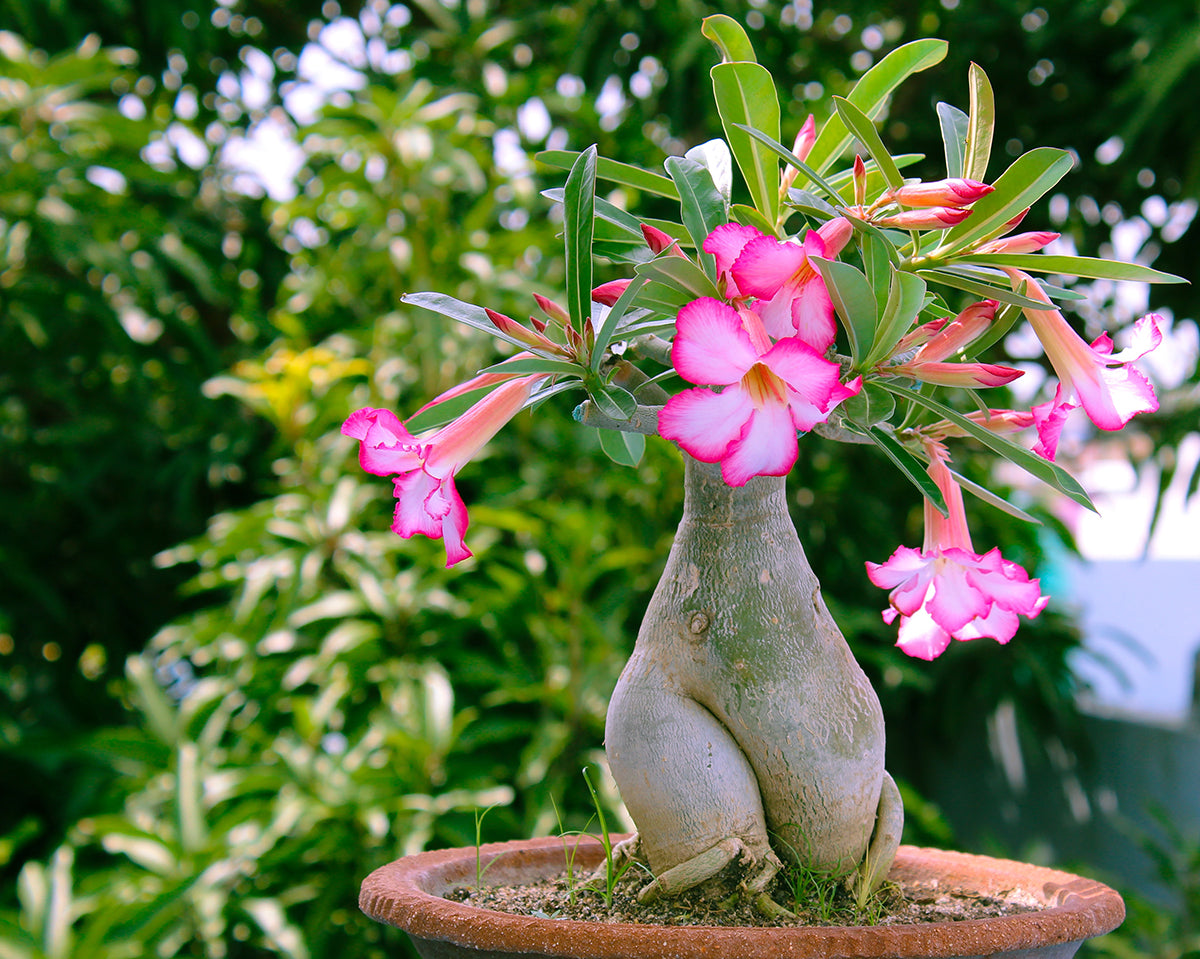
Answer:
(742, 723)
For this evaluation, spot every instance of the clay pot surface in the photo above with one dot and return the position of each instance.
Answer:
(408, 894)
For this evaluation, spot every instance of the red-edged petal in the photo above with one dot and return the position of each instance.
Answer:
(711, 346)
(765, 265)
(705, 423)
(386, 446)
(412, 516)
(726, 243)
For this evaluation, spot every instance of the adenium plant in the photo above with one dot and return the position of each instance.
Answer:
(847, 298)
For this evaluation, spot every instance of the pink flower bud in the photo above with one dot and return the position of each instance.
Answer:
(860, 182)
(1019, 243)
(805, 139)
(955, 192)
(930, 218)
(609, 293)
(552, 309)
(836, 233)
(658, 241)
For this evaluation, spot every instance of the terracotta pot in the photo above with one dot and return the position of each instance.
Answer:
(407, 894)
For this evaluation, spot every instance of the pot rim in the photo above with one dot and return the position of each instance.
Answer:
(407, 893)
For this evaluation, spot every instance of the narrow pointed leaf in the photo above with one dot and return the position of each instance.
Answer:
(728, 37)
(1029, 178)
(954, 124)
(1049, 473)
(700, 202)
(524, 366)
(748, 216)
(787, 156)
(466, 313)
(607, 327)
(909, 465)
(680, 274)
(871, 93)
(992, 499)
(624, 449)
(614, 171)
(579, 219)
(1085, 266)
(854, 301)
(906, 298)
(972, 283)
(745, 94)
(981, 127)
(864, 130)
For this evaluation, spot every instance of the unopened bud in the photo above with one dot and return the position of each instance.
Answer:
(930, 218)
(608, 293)
(955, 192)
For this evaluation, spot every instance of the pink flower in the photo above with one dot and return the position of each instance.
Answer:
(770, 392)
(947, 591)
(954, 192)
(426, 499)
(1107, 386)
(791, 298)
(943, 339)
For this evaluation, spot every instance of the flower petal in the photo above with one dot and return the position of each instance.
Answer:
(386, 446)
(766, 447)
(705, 423)
(711, 346)
(955, 601)
(922, 638)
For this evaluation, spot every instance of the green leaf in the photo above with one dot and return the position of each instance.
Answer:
(787, 156)
(953, 123)
(1028, 178)
(728, 37)
(854, 301)
(871, 93)
(970, 282)
(748, 216)
(678, 273)
(870, 405)
(661, 298)
(992, 499)
(466, 313)
(1049, 473)
(614, 171)
(906, 299)
(579, 220)
(879, 257)
(864, 130)
(524, 366)
(701, 203)
(745, 94)
(982, 124)
(613, 401)
(1085, 266)
(624, 449)
(607, 327)
(909, 465)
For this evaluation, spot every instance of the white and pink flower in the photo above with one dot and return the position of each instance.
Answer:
(423, 469)
(1106, 384)
(769, 392)
(948, 591)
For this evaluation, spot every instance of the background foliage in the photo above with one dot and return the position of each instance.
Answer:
(228, 692)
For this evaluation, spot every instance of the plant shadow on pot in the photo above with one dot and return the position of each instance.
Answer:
(408, 894)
